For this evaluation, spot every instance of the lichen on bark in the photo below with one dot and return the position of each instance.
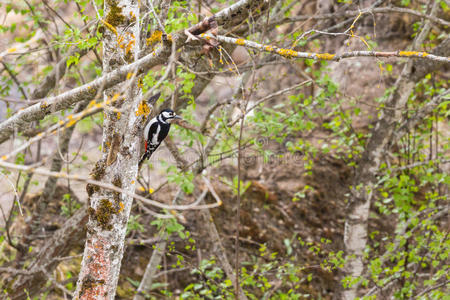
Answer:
(114, 16)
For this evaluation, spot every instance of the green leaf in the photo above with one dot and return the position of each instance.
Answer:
(74, 59)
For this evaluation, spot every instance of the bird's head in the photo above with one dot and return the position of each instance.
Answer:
(167, 115)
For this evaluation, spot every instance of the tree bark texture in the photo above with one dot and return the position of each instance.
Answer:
(109, 211)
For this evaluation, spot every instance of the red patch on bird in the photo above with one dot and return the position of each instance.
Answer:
(145, 145)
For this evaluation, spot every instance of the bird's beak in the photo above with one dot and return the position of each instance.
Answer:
(175, 119)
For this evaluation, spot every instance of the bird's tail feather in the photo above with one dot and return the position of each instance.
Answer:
(145, 156)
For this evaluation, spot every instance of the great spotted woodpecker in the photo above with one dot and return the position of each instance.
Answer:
(156, 131)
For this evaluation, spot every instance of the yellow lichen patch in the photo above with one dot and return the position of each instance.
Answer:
(91, 104)
(412, 53)
(268, 48)
(11, 50)
(155, 37)
(142, 189)
(132, 181)
(118, 115)
(115, 97)
(71, 121)
(61, 122)
(4, 157)
(143, 109)
(326, 56)
(129, 75)
(132, 16)
(287, 52)
(129, 46)
(140, 83)
(240, 41)
(220, 51)
(120, 41)
(122, 206)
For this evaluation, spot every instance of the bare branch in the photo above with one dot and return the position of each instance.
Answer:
(288, 53)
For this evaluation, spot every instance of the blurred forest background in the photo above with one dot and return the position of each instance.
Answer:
(312, 161)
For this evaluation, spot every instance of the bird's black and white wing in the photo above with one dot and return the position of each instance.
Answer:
(156, 131)
(147, 129)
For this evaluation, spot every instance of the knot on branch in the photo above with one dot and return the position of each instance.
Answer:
(202, 27)
(208, 24)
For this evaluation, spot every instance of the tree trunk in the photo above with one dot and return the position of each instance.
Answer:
(109, 211)
(365, 182)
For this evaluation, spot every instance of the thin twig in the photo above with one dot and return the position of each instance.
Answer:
(268, 97)
(14, 78)
(353, 13)
(112, 187)
(420, 163)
